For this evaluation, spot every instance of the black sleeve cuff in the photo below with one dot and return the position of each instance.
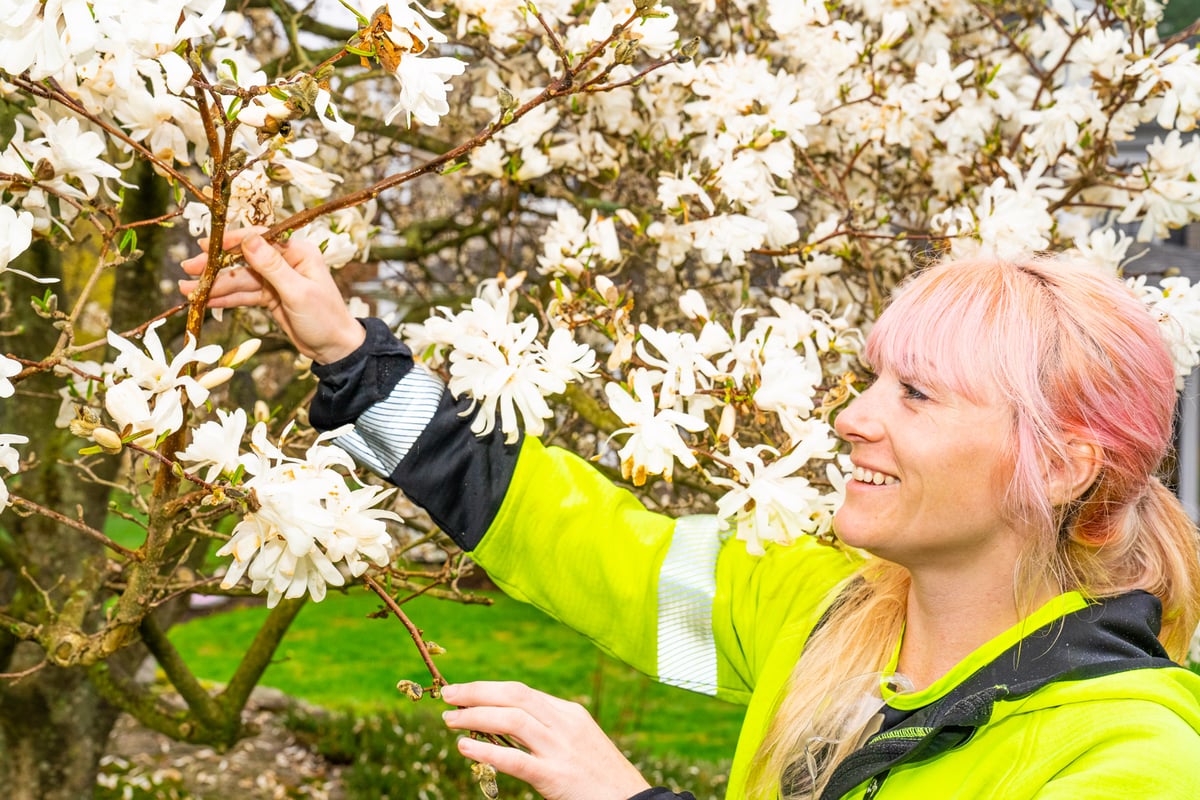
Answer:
(351, 385)
(458, 477)
(662, 793)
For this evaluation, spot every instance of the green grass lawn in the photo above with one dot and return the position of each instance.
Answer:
(336, 657)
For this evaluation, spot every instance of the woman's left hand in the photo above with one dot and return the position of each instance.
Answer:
(568, 758)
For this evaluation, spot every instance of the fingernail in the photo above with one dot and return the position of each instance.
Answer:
(449, 716)
(449, 693)
(254, 245)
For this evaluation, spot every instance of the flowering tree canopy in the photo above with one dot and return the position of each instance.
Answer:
(655, 231)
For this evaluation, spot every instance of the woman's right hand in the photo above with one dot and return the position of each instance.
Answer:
(293, 283)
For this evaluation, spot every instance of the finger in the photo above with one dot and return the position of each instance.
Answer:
(234, 237)
(509, 760)
(253, 296)
(194, 265)
(304, 256)
(274, 268)
(514, 722)
(512, 694)
(262, 297)
(231, 281)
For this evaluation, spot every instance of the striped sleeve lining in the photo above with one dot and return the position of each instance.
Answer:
(385, 432)
(687, 651)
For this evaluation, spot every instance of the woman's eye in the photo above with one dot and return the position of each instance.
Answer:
(913, 393)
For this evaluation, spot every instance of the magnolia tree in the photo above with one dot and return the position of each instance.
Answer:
(652, 232)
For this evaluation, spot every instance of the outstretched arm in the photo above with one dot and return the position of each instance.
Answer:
(294, 284)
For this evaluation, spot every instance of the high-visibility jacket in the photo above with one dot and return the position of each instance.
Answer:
(684, 602)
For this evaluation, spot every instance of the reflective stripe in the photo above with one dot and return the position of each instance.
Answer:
(386, 431)
(687, 584)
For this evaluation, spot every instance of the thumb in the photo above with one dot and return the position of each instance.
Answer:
(269, 263)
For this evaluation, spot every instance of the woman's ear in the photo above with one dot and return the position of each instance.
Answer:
(1075, 472)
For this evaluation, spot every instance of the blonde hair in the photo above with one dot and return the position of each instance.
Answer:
(1079, 358)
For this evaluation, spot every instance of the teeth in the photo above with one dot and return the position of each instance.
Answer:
(877, 478)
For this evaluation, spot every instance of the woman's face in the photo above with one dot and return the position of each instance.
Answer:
(930, 475)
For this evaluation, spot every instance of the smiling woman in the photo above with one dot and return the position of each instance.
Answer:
(1008, 633)
(1004, 479)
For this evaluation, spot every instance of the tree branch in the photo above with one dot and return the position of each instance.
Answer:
(198, 700)
(77, 525)
(258, 656)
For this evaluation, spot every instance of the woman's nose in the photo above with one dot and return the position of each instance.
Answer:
(859, 422)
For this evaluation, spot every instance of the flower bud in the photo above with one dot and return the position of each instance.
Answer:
(410, 689)
(485, 776)
(692, 304)
(727, 424)
(215, 377)
(608, 290)
(506, 99)
(241, 354)
(107, 439)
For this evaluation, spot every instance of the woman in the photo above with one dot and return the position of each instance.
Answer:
(1008, 636)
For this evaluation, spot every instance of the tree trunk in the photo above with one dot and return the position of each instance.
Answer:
(55, 729)
(54, 725)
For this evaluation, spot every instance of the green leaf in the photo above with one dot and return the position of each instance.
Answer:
(128, 242)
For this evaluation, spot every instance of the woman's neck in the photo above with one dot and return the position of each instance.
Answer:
(947, 620)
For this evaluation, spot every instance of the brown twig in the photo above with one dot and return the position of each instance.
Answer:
(413, 631)
(83, 527)
(55, 93)
(562, 87)
(25, 673)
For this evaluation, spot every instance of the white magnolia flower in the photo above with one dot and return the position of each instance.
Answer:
(74, 153)
(150, 369)
(216, 444)
(1167, 195)
(769, 501)
(1175, 302)
(331, 118)
(424, 84)
(8, 369)
(654, 442)
(684, 359)
(16, 234)
(309, 524)
(138, 410)
(1107, 248)
(727, 236)
(43, 37)
(672, 188)
(10, 460)
(788, 388)
(692, 304)
(939, 79)
(573, 244)
(512, 374)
